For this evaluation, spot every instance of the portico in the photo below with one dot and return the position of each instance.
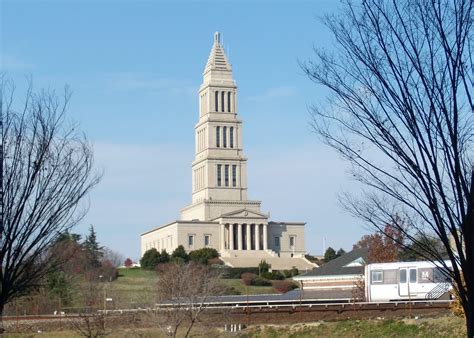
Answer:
(244, 236)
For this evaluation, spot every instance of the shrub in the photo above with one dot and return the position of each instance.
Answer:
(247, 278)
(164, 257)
(259, 281)
(287, 273)
(283, 286)
(203, 255)
(150, 259)
(266, 275)
(277, 275)
(236, 273)
(180, 255)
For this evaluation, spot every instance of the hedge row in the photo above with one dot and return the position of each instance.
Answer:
(236, 273)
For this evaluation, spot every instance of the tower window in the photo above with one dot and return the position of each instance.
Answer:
(228, 102)
(217, 101)
(219, 177)
(222, 101)
(234, 175)
(231, 137)
(226, 175)
(218, 137)
(224, 137)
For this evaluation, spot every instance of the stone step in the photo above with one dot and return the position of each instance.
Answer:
(277, 263)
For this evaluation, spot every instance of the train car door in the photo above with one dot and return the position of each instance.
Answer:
(408, 282)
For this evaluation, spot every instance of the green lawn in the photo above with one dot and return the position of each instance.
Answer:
(133, 287)
(139, 283)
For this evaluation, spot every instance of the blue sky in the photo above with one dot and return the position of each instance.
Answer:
(135, 67)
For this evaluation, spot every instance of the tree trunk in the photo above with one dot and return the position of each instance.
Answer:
(469, 284)
(2, 306)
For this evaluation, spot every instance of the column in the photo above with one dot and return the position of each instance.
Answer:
(231, 236)
(265, 237)
(257, 236)
(239, 236)
(222, 236)
(249, 237)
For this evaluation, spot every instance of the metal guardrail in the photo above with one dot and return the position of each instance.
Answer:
(294, 306)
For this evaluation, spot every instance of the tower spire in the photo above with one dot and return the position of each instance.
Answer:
(217, 59)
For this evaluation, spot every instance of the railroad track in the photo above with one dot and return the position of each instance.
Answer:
(268, 307)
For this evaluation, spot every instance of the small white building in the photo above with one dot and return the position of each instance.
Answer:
(221, 216)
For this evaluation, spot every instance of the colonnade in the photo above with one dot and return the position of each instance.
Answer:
(238, 236)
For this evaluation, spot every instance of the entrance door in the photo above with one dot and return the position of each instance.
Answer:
(407, 283)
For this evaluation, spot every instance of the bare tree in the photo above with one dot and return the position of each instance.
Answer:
(185, 289)
(47, 172)
(90, 321)
(400, 111)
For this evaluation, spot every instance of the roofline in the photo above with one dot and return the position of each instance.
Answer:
(177, 222)
(303, 277)
(291, 223)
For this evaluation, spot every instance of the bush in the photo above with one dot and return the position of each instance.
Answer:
(266, 275)
(283, 286)
(277, 275)
(236, 273)
(164, 257)
(247, 278)
(203, 255)
(294, 272)
(259, 281)
(180, 255)
(150, 259)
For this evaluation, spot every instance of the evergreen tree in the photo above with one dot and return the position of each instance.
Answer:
(93, 248)
(150, 259)
(340, 252)
(329, 255)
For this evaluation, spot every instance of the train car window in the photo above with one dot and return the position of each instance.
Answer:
(412, 275)
(377, 276)
(403, 276)
(440, 275)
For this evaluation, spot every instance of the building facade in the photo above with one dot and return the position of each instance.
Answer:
(220, 215)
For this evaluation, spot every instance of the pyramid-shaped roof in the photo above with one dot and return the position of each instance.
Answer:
(217, 59)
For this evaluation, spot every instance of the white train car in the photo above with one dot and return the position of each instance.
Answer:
(405, 281)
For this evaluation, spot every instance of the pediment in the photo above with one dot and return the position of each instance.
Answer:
(243, 213)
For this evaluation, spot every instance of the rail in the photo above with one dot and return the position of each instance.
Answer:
(259, 308)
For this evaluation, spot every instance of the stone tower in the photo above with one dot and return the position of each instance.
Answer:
(219, 170)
